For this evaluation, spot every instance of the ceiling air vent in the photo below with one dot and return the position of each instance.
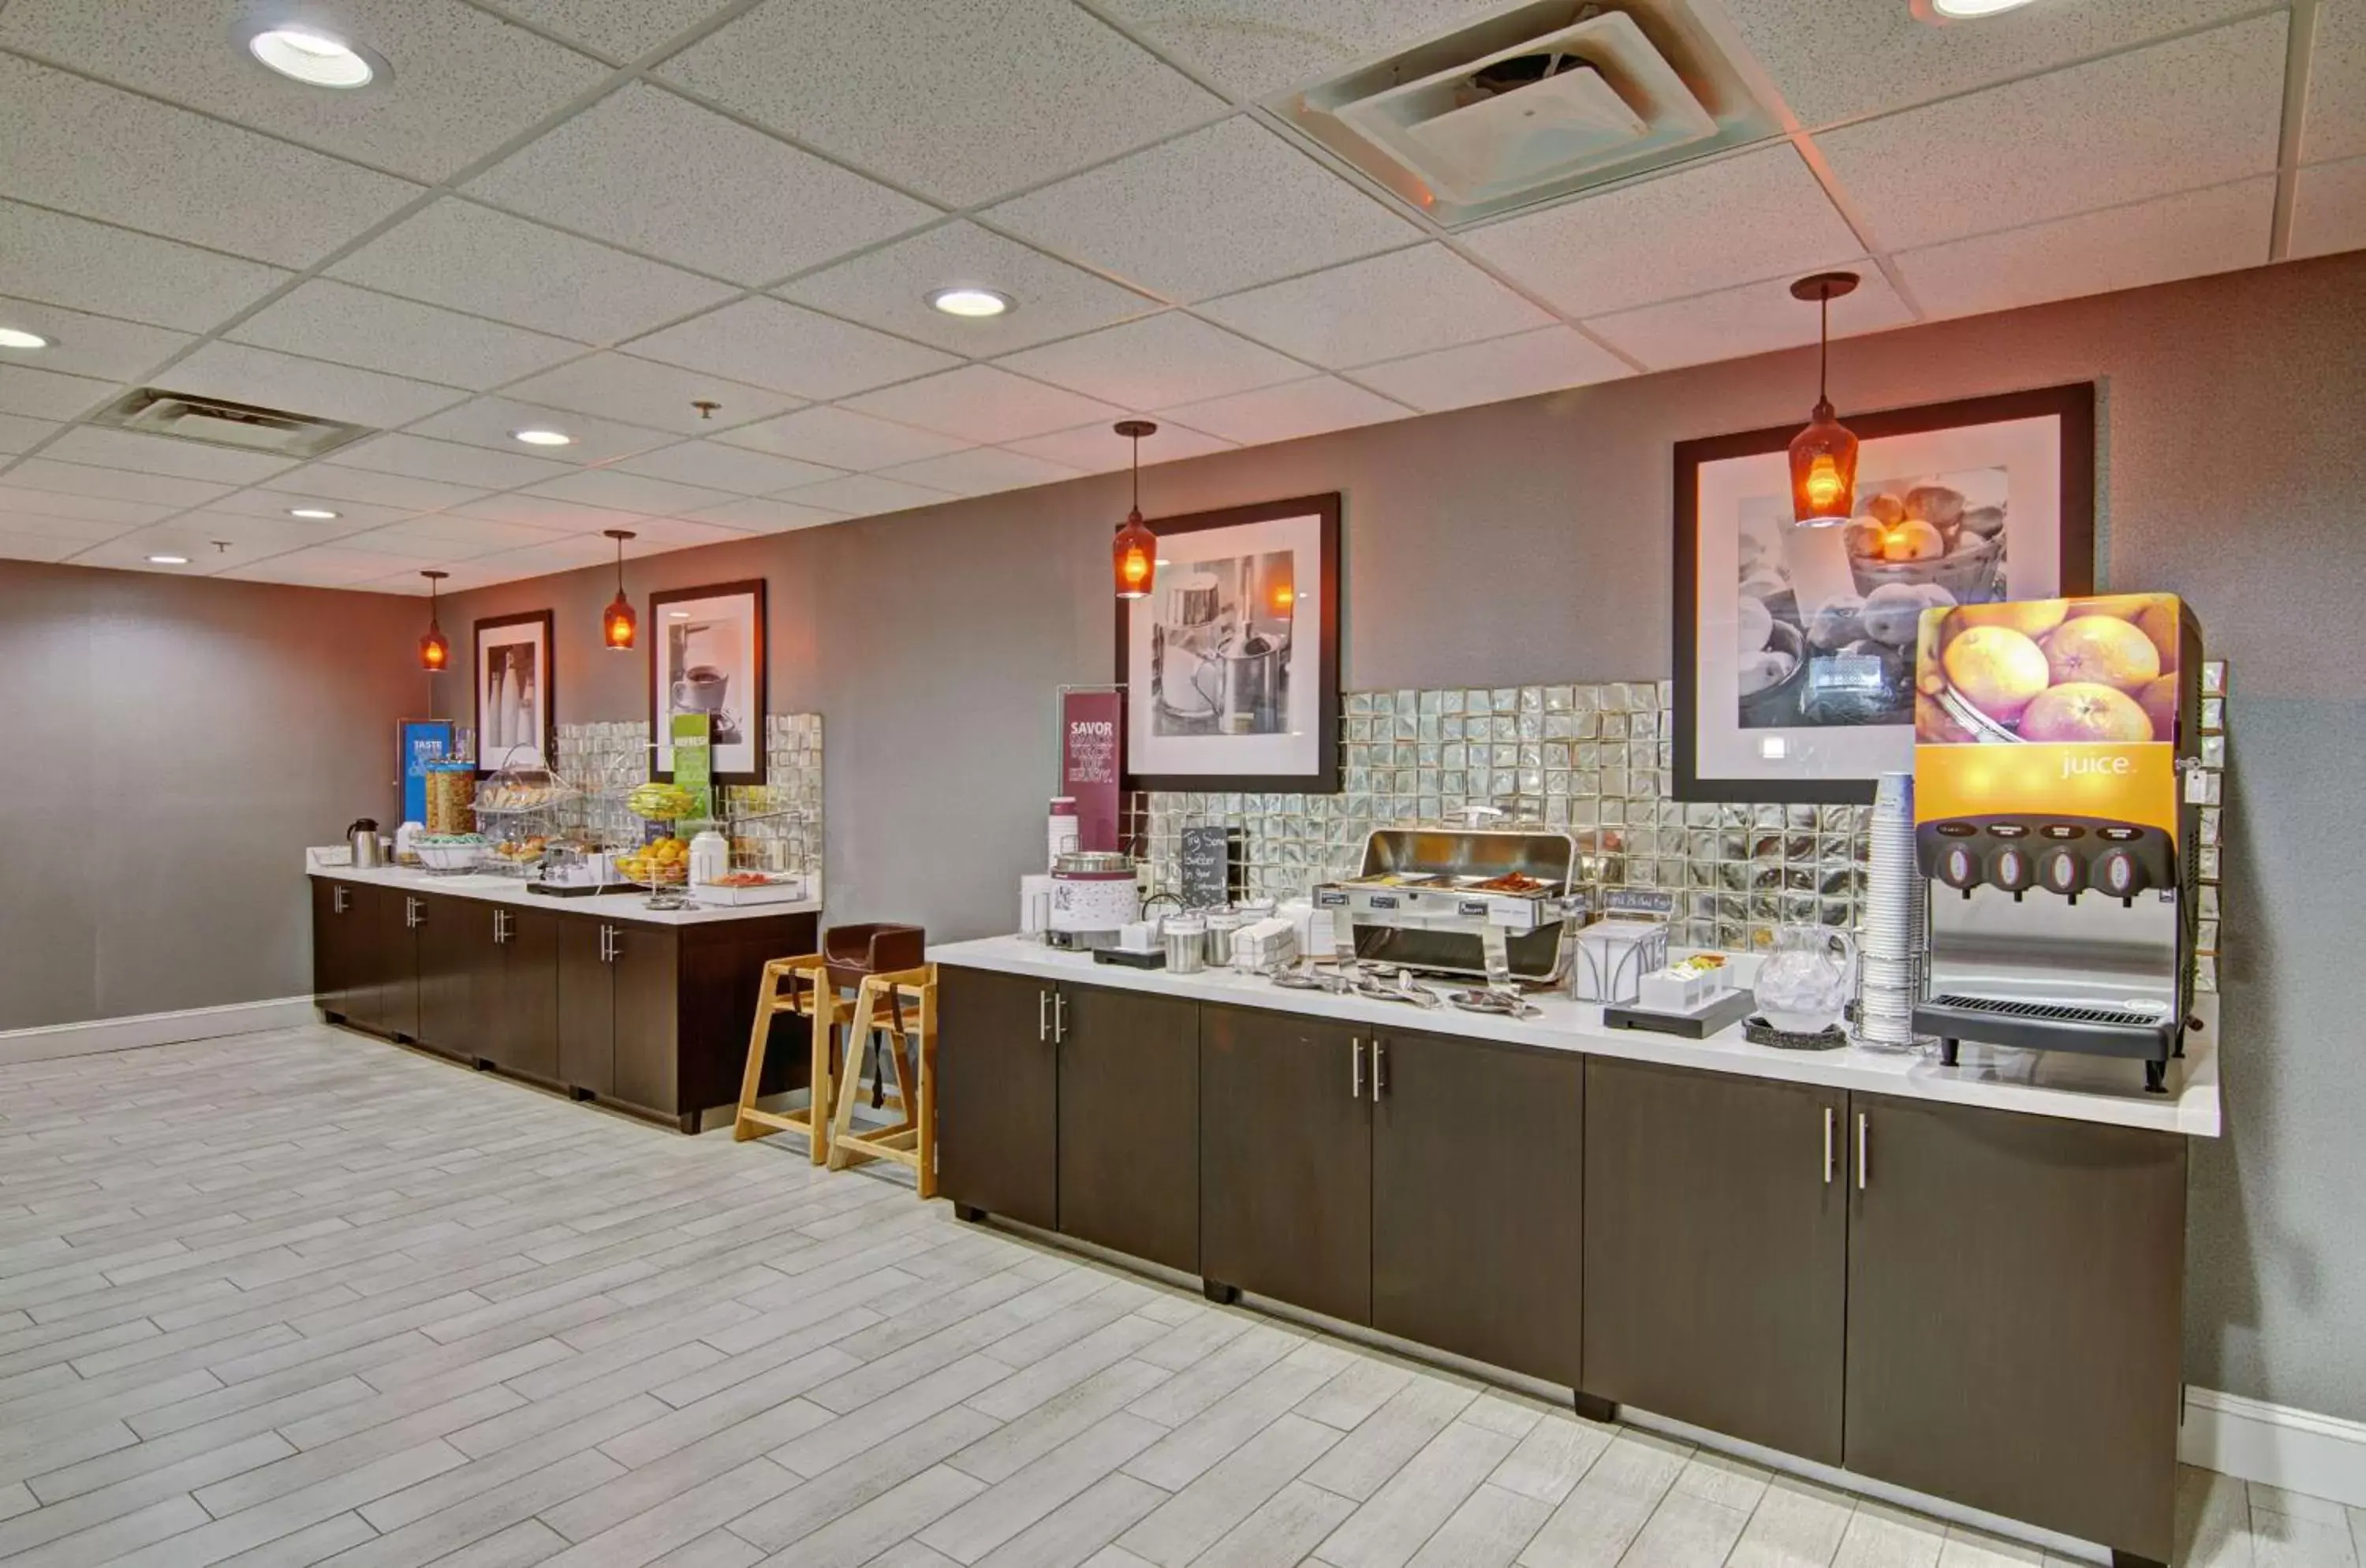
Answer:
(218, 422)
(1538, 103)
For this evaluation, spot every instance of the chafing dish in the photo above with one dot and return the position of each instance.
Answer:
(1496, 903)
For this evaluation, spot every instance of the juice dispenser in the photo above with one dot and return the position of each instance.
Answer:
(2052, 740)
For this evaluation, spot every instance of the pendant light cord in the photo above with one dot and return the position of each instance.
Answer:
(1137, 473)
(1823, 346)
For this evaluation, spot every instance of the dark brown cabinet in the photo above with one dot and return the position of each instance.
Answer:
(389, 990)
(1128, 1122)
(1285, 1159)
(1478, 1214)
(459, 972)
(998, 1095)
(1717, 1249)
(2014, 1296)
(518, 997)
(586, 1009)
(342, 945)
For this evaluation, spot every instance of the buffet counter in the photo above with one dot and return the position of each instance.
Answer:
(512, 890)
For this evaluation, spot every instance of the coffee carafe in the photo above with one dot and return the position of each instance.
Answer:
(369, 849)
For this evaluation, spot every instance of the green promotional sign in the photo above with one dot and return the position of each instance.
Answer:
(693, 758)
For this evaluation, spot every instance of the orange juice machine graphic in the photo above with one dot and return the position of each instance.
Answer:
(2052, 738)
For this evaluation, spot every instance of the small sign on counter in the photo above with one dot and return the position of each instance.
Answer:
(1210, 868)
(1091, 749)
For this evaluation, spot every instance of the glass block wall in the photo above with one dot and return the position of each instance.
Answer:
(779, 823)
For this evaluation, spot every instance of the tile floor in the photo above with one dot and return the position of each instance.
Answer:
(299, 1297)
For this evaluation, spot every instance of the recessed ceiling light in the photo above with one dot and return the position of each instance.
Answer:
(317, 513)
(16, 337)
(1963, 10)
(313, 58)
(168, 561)
(543, 437)
(974, 304)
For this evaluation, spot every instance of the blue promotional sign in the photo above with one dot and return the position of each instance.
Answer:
(418, 742)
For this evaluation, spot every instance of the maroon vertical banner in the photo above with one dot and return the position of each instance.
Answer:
(1091, 757)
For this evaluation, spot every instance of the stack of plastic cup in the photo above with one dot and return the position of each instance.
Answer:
(1892, 943)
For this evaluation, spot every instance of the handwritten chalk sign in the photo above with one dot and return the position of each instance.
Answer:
(1638, 902)
(1209, 872)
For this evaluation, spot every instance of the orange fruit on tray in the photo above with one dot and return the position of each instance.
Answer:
(2158, 699)
(2030, 617)
(2150, 613)
(1997, 670)
(2103, 649)
(2085, 711)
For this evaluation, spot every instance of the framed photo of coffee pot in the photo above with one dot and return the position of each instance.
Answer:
(706, 655)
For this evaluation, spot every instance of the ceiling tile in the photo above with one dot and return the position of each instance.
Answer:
(317, 480)
(719, 467)
(2329, 208)
(2335, 123)
(20, 434)
(2125, 248)
(1757, 319)
(758, 516)
(113, 484)
(620, 30)
(1491, 372)
(658, 535)
(478, 532)
(323, 565)
(33, 546)
(655, 173)
(45, 394)
(1097, 449)
(352, 515)
(1836, 59)
(1290, 411)
(865, 495)
(954, 99)
(491, 263)
(889, 289)
(71, 533)
(476, 537)
(490, 422)
(983, 470)
(83, 345)
(2199, 112)
(982, 403)
(538, 560)
(790, 349)
(1158, 363)
(1256, 50)
(18, 504)
(462, 83)
(92, 149)
(841, 439)
(1384, 308)
(1207, 213)
(357, 326)
(307, 386)
(629, 492)
(202, 536)
(642, 392)
(546, 513)
(1704, 227)
(163, 454)
(455, 462)
(72, 261)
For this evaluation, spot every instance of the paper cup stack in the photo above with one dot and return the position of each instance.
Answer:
(1892, 944)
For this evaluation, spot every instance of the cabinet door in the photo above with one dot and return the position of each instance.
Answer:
(454, 944)
(2015, 1287)
(1716, 1252)
(645, 977)
(394, 964)
(1129, 1137)
(1478, 1179)
(1286, 1161)
(338, 950)
(587, 1010)
(523, 1019)
(998, 1095)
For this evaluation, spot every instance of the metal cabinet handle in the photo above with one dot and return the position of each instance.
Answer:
(501, 927)
(1829, 1116)
(1059, 1018)
(1355, 1069)
(413, 914)
(1042, 1015)
(608, 945)
(1860, 1151)
(336, 901)
(1380, 1068)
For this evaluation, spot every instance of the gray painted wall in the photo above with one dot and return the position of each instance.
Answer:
(171, 746)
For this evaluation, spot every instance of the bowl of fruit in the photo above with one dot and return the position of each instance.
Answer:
(449, 852)
(660, 863)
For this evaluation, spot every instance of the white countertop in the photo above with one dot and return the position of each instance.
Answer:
(512, 890)
(2051, 1083)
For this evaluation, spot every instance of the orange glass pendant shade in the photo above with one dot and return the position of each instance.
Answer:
(1133, 554)
(1823, 455)
(434, 651)
(618, 625)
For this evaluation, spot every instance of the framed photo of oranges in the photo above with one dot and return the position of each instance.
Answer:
(1795, 644)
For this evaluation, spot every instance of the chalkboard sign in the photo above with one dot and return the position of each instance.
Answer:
(1211, 867)
(1638, 902)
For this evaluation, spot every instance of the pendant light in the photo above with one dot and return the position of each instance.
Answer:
(434, 652)
(1134, 552)
(617, 622)
(1823, 455)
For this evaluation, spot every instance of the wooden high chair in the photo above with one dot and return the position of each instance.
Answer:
(828, 1013)
(901, 1005)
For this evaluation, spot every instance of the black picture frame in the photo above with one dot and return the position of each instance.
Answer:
(1323, 778)
(757, 710)
(2073, 404)
(547, 687)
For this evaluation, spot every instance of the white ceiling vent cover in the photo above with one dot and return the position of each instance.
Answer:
(217, 422)
(1538, 103)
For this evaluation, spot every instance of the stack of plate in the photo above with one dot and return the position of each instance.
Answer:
(1892, 946)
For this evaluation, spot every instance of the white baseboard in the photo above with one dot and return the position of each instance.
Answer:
(152, 1029)
(2321, 1455)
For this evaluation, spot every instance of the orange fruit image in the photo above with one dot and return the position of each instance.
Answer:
(2030, 617)
(2150, 613)
(1933, 723)
(2085, 711)
(1998, 669)
(1885, 509)
(2103, 649)
(1913, 540)
(2158, 699)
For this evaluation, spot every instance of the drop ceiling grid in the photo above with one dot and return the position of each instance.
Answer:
(640, 70)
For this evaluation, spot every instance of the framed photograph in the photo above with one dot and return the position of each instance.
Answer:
(1231, 666)
(515, 721)
(706, 655)
(1795, 646)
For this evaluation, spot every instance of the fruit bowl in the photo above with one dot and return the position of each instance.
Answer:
(1967, 573)
(454, 852)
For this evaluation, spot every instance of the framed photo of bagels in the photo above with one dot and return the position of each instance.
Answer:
(1795, 644)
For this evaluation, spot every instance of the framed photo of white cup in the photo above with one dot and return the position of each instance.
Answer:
(706, 655)
(513, 712)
